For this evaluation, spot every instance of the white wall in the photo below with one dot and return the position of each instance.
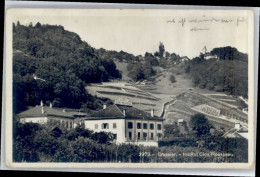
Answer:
(40, 120)
(43, 120)
(145, 143)
(119, 130)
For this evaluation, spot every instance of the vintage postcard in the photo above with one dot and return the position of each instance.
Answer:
(129, 88)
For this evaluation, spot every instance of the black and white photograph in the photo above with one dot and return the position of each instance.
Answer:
(140, 88)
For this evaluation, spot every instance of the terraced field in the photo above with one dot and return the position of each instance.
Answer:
(183, 108)
(125, 91)
(226, 99)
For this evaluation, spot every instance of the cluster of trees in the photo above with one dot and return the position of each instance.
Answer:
(229, 53)
(46, 143)
(140, 71)
(161, 57)
(121, 56)
(64, 63)
(228, 74)
(144, 68)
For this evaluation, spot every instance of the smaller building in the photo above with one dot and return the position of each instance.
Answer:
(180, 122)
(237, 132)
(208, 56)
(43, 114)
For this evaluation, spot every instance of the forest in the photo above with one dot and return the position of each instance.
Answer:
(63, 62)
(227, 74)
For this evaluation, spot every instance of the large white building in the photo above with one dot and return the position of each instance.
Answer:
(127, 124)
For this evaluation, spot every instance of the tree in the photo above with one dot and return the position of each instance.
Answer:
(161, 49)
(102, 137)
(200, 124)
(172, 78)
(24, 148)
(79, 131)
(38, 25)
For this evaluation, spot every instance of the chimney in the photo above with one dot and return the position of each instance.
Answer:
(152, 112)
(124, 112)
(104, 106)
(50, 105)
(43, 110)
(41, 103)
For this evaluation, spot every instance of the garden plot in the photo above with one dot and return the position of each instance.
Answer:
(225, 99)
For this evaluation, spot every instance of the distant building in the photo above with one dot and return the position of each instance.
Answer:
(127, 124)
(43, 114)
(185, 58)
(208, 56)
(237, 132)
(180, 122)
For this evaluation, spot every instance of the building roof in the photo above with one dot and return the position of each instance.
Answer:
(37, 112)
(117, 111)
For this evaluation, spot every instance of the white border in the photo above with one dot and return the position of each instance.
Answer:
(253, 91)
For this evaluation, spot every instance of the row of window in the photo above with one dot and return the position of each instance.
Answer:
(105, 126)
(64, 123)
(144, 137)
(130, 126)
(144, 126)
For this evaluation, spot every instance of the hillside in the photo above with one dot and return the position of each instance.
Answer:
(228, 73)
(122, 67)
(61, 63)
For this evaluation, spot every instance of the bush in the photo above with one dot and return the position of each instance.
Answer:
(172, 79)
(200, 124)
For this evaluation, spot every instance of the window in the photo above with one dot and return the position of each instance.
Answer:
(144, 136)
(130, 125)
(130, 135)
(96, 126)
(62, 123)
(151, 136)
(70, 124)
(105, 126)
(144, 125)
(139, 125)
(151, 126)
(159, 135)
(115, 136)
(67, 124)
(114, 125)
(159, 126)
(138, 136)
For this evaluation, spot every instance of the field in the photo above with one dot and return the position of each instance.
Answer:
(184, 105)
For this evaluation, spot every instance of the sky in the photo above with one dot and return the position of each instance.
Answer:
(184, 32)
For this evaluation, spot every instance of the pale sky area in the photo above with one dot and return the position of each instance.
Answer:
(140, 31)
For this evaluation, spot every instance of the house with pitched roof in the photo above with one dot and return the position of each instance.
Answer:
(127, 124)
(43, 114)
